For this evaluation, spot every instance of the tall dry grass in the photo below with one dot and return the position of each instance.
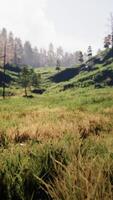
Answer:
(56, 154)
(49, 124)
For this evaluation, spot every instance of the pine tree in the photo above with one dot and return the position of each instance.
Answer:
(10, 48)
(24, 79)
(81, 58)
(51, 56)
(58, 64)
(89, 52)
(107, 41)
(18, 52)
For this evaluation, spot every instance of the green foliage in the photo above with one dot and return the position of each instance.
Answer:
(35, 80)
(25, 77)
(58, 68)
(29, 78)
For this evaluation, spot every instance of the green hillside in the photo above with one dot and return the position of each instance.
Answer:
(97, 72)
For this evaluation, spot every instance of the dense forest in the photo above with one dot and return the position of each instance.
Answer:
(23, 53)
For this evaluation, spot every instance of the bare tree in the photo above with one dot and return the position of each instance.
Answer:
(3, 56)
(4, 70)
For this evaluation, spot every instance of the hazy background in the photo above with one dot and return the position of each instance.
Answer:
(74, 24)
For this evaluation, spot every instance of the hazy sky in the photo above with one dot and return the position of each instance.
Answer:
(73, 24)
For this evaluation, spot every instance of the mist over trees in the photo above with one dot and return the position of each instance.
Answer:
(20, 53)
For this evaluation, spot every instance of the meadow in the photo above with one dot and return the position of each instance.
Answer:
(58, 145)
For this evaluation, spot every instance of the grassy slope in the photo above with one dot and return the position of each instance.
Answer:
(58, 145)
(98, 74)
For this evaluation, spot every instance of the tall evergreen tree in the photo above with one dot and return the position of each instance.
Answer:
(10, 48)
(51, 56)
(28, 54)
(18, 52)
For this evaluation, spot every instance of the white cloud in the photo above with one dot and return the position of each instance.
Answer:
(27, 19)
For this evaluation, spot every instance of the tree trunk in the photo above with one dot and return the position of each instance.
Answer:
(25, 92)
(3, 93)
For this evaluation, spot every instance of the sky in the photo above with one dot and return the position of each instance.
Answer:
(72, 24)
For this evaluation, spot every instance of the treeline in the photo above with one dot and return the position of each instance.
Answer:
(24, 54)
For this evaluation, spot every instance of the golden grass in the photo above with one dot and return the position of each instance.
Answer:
(88, 174)
(49, 124)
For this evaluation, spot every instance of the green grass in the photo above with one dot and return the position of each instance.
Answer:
(76, 97)
(59, 145)
(41, 153)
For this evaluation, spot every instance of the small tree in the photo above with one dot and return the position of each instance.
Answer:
(89, 52)
(29, 78)
(25, 79)
(58, 64)
(35, 80)
(107, 41)
(81, 57)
